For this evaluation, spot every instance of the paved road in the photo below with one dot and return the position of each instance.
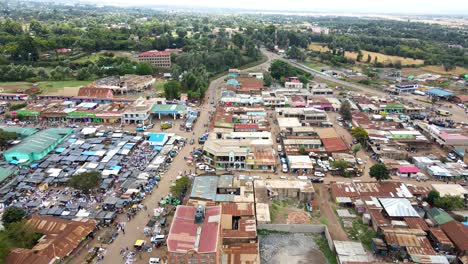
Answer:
(134, 228)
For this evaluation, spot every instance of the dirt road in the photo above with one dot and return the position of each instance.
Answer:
(134, 227)
(326, 211)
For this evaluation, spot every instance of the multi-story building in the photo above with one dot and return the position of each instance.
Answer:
(160, 59)
(139, 111)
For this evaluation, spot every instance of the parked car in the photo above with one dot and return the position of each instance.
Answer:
(192, 141)
(154, 261)
(208, 169)
(319, 174)
(316, 180)
(452, 156)
(359, 161)
(284, 168)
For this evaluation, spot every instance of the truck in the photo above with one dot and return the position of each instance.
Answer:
(443, 112)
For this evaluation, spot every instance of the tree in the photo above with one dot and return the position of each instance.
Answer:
(295, 53)
(180, 187)
(379, 171)
(341, 165)
(302, 150)
(267, 80)
(13, 214)
(369, 58)
(86, 181)
(143, 68)
(304, 79)
(432, 196)
(83, 74)
(376, 60)
(450, 202)
(278, 69)
(360, 134)
(345, 111)
(359, 56)
(356, 148)
(6, 137)
(172, 89)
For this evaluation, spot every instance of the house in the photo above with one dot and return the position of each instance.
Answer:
(460, 99)
(139, 111)
(458, 234)
(194, 236)
(61, 238)
(407, 171)
(438, 216)
(95, 92)
(280, 189)
(440, 240)
(450, 189)
(224, 188)
(398, 207)
(406, 87)
(351, 252)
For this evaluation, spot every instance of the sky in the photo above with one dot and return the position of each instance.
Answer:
(358, 6)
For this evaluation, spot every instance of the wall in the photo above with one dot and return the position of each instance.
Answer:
(299, 228)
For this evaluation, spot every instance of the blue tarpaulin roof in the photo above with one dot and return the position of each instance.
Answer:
(157, 137)
(439, 92)
(89, 153)
(72, 140)
(59, 150)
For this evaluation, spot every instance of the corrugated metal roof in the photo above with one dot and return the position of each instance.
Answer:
(398, 207)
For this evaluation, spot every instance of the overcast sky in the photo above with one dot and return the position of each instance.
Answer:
(361, 6)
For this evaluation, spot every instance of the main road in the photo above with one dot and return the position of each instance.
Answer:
(134, 227)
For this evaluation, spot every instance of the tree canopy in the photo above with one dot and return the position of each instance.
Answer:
(180, 187)
(6, 137)
(345, 111)
(379, 172)
(86, 181)
(13, 214)
(172, 89)
(360, 134)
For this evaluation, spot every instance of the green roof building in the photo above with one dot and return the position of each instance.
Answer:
(5, 173)
(438, 216)
(23, 132)
(36, 146)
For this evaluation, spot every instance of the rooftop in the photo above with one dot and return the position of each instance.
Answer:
(61, 237)
(458, 233)
(185, 235)
(398, 207)
(450, 189)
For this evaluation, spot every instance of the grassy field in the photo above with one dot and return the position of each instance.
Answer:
(433, 69)
(46, 87)
(315, 65)
(386, 59)
(159, 86)
(95, 56)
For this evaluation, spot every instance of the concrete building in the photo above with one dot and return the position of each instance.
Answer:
(161, 59)
(126, 83)
(406, 87)
(194, 236)
(307, 116)
(284, 189)
(139, 111)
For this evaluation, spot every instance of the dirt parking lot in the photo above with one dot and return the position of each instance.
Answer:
(295, 248)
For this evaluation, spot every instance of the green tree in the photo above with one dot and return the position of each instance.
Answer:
(380, 172)
(13, 214)
(369, 58)
(356, 148)
(432, 196)
(6, 137)
(267, 80)
(345, 111)
(172, 89)
(86, 181)
(278, 69)
(27, 50)
(143, 68)
(360, 134)
(302, 150)
(304, 79)
(341, 165)
(450, 202)
(83, 74)
(359, 56)
(180, 187)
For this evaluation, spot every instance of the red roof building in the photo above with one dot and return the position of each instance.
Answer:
(458, 233)
(334, 145)
(94, 92)
(191, 242)
(61, 238)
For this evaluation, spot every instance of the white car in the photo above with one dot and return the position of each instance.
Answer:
(359, 161)
(340, 124)
(202, 167)
(319, 174)
(154, 261)
(208, 169)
